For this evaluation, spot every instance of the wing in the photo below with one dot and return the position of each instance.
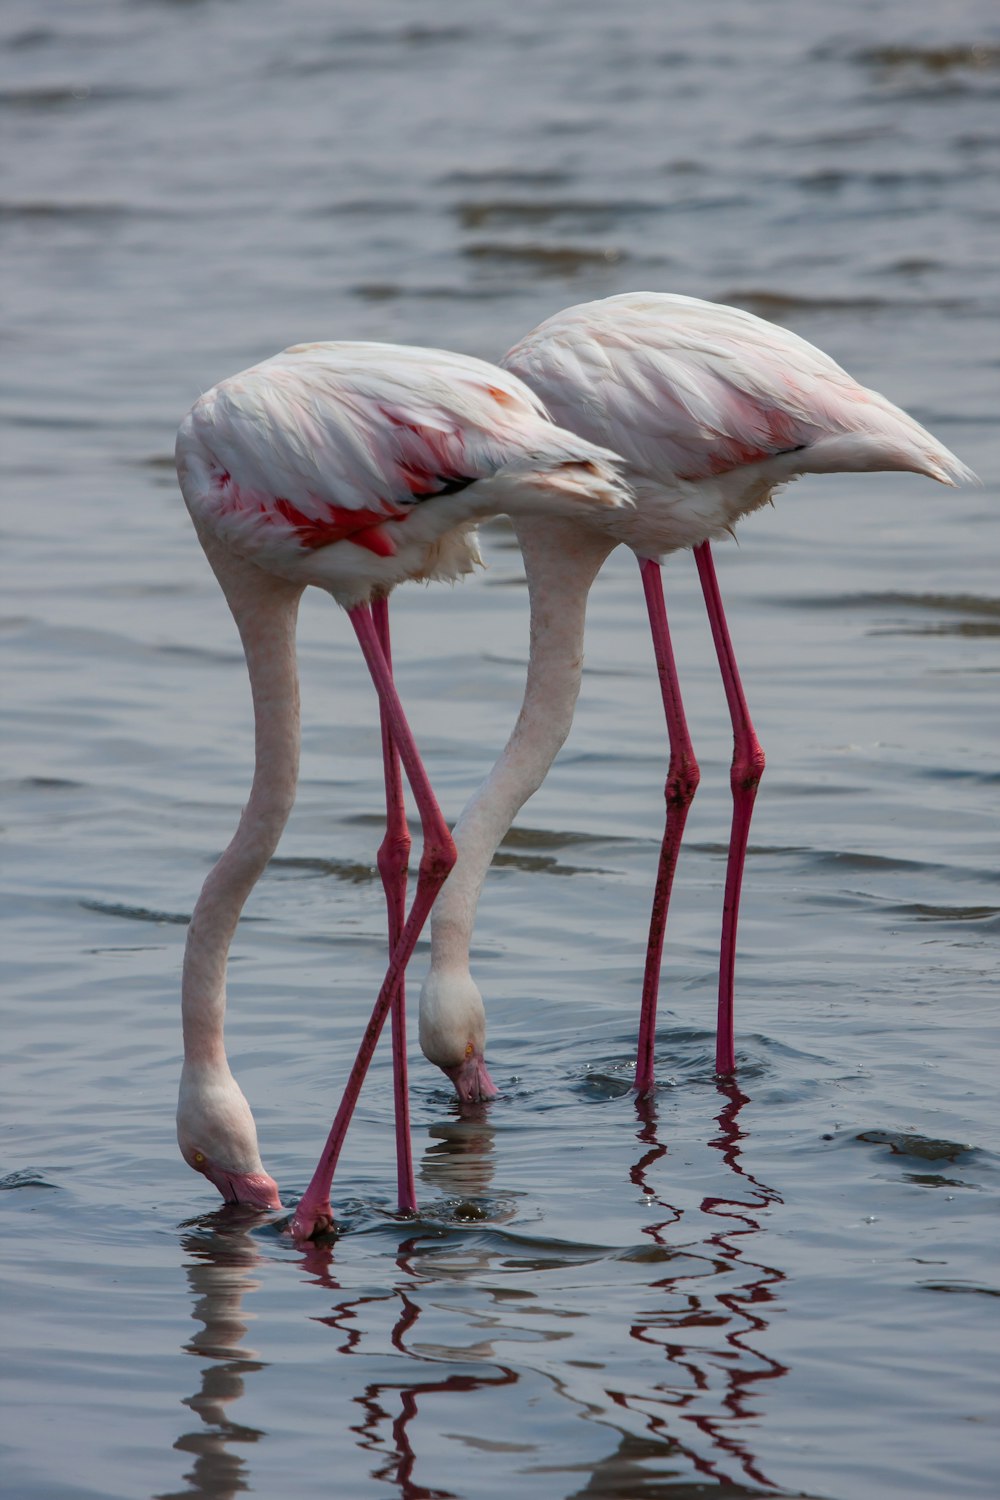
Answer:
(685, 389)
(334, 439)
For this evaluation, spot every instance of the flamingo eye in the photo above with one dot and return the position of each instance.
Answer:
(469, 1049)
(199, 1157)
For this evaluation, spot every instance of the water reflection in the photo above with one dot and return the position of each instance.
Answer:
(219, 1276)
(702, 1322)
(389, 1408)
(736, 1307)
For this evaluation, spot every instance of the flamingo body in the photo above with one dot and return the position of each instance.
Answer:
(351, 466)
(347, 442)
(712, 409)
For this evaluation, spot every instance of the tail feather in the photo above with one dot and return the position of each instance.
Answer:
(566, 471)
(881, 436)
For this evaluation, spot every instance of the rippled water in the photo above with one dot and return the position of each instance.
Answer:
(787, 1285)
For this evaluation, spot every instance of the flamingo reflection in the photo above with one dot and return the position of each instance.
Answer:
(459, 1163)
(219, 1276)
(741, 1309)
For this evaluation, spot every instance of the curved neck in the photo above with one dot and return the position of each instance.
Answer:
(265, 610)
(561, 561)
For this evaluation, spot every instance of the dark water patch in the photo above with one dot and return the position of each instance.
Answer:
(606, 1081)
(925, 1148)
(389, 291)
(977, 140)
(912, 265)
(547, 260)
(366, 208)
(526, 839)
(79, 211)
(414, 35)
(51, 423)
(131, 948)
(774, 305)
(835, 179)
(853, 861)
(31, 37)
(857, 135)
(207, 654)
(509, 176)
(306, 867)
(154, 461)
(935, 1180)
(924, 912)
(42, 97)
(543, 864)
(969, 629)
(979, 56)
(971, 776)
(477, 215)
(42, 784)
(960, 1288)
(142, 913)
(965, 604)
(624, 1476)
(25, 1178)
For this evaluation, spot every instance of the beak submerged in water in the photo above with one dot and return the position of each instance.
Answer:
(471, 1079)
(252, 1189)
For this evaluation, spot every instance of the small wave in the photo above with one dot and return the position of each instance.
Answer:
(520, 839)
(770, 304)
(25, 1178)
(543, 864)
(136, 913)
(480, 213)
(350, 871)
(510, 176)
(963, 1288)
(549, 260)
(389, 291)
(62, 96)
(924, 912)
(907, 1143)
(967, 604)
(978, 56)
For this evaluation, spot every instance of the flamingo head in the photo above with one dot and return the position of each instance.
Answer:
(218, 1138)
(453, 1032)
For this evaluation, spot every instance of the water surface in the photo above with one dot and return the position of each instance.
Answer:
(783, 1285)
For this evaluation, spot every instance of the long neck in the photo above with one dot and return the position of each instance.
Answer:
(265, 610)
(561, 561)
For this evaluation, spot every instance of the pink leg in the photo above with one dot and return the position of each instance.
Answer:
(744, 778)
(682, 783)
(393, 862)
(314, 1213)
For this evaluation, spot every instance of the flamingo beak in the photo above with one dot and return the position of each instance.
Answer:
(253, 1189)
(472, 1082)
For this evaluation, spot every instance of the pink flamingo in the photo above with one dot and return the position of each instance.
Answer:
(713, 409)
(351, 466)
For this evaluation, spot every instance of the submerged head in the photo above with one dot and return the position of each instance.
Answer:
(453, 1033)
(218, 1138)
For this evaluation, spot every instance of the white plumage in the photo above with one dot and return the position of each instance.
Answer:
(713, 409)
(351, 466)
(346, 442)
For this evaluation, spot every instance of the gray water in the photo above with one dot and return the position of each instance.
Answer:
(785, 1285)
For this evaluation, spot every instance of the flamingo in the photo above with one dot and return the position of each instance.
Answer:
(349, 466)
(713, 409)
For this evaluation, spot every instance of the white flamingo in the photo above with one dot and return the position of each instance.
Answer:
(713, 409)
(351, 466)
